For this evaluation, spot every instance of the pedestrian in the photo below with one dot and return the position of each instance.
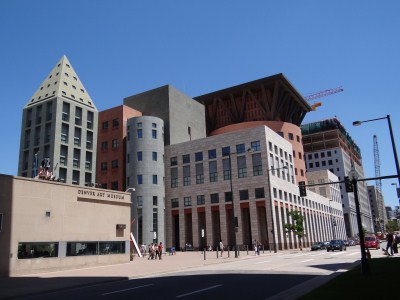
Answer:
(221, 247)
(255, 247)
(160, 250)
(396, 241)
(258, 247)
(389, 240)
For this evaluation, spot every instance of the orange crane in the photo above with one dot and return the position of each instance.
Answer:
(321, 94)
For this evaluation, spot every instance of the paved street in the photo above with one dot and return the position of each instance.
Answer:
(188, 275)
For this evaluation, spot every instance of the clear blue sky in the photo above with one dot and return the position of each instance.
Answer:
(121, 48)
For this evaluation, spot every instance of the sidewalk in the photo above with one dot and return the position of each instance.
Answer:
(140, 267)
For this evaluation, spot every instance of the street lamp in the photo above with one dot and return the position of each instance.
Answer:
(271, 207)
(333, 220)
(353, 176)
(357, 123)
(233, 204)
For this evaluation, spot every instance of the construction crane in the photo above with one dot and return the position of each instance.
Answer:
(321, 94)
(377, 161)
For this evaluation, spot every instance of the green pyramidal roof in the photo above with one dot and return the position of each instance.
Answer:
(63, 82)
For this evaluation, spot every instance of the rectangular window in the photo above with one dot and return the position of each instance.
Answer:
(114, 164)
(37, 250)
(186, 159)
(155, 200)
(199, 174)
(154, 134)
(104, 146)
(154, 125)
(212, 167)
(139, 156)
(104, 166)
(255, 146)
(139, 133)
(226, 151)
(114, 185)
(115, 123)
(241, 166)
(259, 193)
(186, 175)
(198, 156)
(226, 169)
(291, 136)
(139, 125)
(244, 194)
(228, 196)
(105, 125)
(214, 198)
(154, 155)
(201, 200)
(174, 161)
(212, 154)
(115, 143)
(174, 203)
(240, 148)
(257, 164)
(174, 177)
(155, 179)
(139, 201)
(140, 179)
(187, 201)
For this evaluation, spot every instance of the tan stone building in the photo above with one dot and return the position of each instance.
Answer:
(49, 226)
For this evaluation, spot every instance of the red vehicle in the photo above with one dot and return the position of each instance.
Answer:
(371, 242)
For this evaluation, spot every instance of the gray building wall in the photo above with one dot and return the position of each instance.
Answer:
(184, 118)
(146, 167)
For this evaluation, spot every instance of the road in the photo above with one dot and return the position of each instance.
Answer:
(259, 277)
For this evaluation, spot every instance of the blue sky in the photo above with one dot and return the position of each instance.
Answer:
(121, 48)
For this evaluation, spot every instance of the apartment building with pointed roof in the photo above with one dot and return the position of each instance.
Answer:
(59, 123)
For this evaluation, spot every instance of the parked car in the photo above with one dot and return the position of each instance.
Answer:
(336, 245)
(371, 242)
(318, 246)
(346, 242)
(352, 242)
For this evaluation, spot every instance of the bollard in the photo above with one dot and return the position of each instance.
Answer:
(204, 250)
(228, 252)
(263, 249)
(217, 252)
(247, 248)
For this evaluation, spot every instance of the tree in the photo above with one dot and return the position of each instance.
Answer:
(297, 227)
(392, 226)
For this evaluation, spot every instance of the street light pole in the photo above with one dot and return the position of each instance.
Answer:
(357, 123)
(233, 206)
(332, 220)
(272, 207)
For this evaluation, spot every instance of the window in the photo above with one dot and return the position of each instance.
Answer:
(240, 148)
(200, 200)
(114, 164)
(199, 174)
(187, 201)
(37, 250)
(139, 156)
(330, 162)
(291, 136)
(280, 133)
(214, 198)
(309, 156)
(212, 168)
(139, 125)
(155, 200)
(259, 193)
(154, 134)
(104, 146)
(140, 179)
(311, 165)
(241, 165)
(329, 153)
(226, 151)
(186, 158)
(104, 166)
(115, 144)
(228, 196)
(198, 156)
(257, 164)
(154, 179)
(244, 194)
(154, 125)
(139, 133)
(114, 185)
(317, 164)
(322, 154)
(226, 169)
(256, 146)
(315, 155)
(186, 175)
(174, 161)
(115, 123)
(174, 177)
(174, 202)
(212, 154)
(154, 155)
(139, 201)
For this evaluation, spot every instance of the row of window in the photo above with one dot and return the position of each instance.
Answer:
(290, 136)
(45, 250)
(114, 145)
(114, 122)
(321, 154)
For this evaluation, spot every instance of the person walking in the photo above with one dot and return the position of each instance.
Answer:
(255, 247)
(389, 240)
(221, 247)
(160, 250)
(396, 241)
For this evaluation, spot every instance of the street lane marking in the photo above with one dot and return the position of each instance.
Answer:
(199, 291)
(262, 262)
(306, 260)
(136, 287)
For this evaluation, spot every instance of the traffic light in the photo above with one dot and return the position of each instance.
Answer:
(348, 184)
(302, 189)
